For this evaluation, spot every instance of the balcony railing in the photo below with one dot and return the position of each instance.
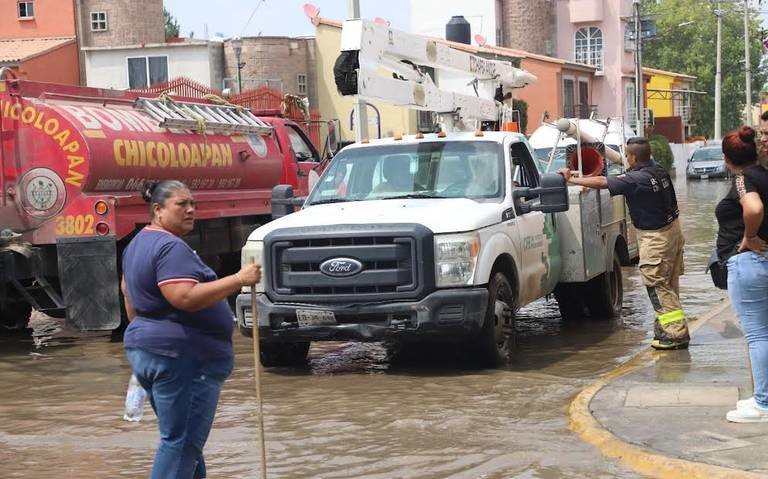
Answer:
(579, 111)
(684, 112)
(631, 118)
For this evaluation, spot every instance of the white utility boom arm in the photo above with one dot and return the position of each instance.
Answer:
(380, 47)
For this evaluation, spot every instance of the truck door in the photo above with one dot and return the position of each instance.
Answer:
(532, 238)
(307, 158)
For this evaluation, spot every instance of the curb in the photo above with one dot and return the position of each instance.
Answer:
(636, 458)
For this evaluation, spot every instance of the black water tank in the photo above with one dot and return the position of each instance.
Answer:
(458, 30)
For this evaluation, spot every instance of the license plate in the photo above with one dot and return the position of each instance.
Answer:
(314, 317)
(704, 177)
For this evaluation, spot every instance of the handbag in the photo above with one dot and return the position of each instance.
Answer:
(718, 270)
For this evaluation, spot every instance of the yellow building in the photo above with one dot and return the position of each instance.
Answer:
(668, 97)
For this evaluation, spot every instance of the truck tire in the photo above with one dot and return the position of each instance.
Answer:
(605, 293)
(571, 301)
(14, 318)
(496, 341)
(275, 355)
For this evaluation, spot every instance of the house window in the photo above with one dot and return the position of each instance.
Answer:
(584, 108)
(589, 46)
(26, 9)
(98, 21)
(569, 110)
(301, 84)
(147, 71)
(629, 101)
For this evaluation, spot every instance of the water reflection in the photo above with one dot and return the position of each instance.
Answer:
(356, 410)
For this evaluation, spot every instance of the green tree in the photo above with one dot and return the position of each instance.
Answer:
(661, 151)
(686, 43)
(171, 25)
(522, 107)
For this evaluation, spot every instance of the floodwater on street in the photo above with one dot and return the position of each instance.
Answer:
(353, 412)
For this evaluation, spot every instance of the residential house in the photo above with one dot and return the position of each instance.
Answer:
(668, 97)
(139, 66)
(577, 31)
(284, 64)
(562, 89)
(38, 40)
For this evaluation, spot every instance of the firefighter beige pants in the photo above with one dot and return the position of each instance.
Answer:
(661, 264)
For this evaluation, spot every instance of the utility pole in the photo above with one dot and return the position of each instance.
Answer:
(639, 120)
(718, 73)
(748, 105)
(359, 105)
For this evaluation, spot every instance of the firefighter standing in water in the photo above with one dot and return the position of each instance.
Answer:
(652, 204)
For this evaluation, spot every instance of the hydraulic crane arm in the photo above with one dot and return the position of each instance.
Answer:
(371, 53)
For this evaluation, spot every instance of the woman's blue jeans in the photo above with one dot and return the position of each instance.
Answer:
(184, 392)
(748, 290)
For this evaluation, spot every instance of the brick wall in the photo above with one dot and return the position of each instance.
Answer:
(527, 25)
(130, 22)
(273, 58)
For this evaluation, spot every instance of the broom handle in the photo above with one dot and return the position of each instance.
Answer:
(257, 377)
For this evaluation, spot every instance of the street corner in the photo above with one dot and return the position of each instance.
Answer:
(661, 417)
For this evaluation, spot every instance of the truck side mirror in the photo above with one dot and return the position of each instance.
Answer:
(333, 139)
(283, 201)
(553, 193)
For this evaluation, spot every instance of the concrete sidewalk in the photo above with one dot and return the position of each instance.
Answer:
(663, 413)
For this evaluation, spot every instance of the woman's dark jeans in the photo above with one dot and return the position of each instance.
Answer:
(184, 392)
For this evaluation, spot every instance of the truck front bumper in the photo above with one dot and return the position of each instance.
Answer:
(442, 315)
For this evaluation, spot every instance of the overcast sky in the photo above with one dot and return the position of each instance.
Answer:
(274, 17)
(281, 17)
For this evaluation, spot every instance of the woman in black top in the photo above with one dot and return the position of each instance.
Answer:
(741, 237)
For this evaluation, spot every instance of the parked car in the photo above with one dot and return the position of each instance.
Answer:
(707, 162)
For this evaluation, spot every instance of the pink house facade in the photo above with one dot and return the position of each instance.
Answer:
(588, 32)
(594, 32)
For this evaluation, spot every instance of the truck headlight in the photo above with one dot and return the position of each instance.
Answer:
(455, 258)
(253, 251)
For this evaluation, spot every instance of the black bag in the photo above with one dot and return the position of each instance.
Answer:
(718, 270)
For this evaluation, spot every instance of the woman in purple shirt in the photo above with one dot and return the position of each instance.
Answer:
(179, 341)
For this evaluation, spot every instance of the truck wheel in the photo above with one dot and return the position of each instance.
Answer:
(14, 318)
(570, 301)
(496, 341)
(606, 293)
(283, 354)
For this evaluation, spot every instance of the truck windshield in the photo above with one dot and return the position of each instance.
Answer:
(446, 169)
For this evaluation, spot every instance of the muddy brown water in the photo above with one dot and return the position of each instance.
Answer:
(353, 412)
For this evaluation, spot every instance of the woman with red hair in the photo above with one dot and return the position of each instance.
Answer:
(742, 235)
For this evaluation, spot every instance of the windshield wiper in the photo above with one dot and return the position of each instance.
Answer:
(333, 200)
(412, 195)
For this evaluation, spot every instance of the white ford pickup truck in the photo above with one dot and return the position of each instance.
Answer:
(439, 237)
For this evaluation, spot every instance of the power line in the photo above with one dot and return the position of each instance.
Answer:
(252, 14)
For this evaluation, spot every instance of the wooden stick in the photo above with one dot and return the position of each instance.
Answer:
(257, 378)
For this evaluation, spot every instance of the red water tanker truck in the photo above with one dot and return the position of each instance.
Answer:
(73, 164)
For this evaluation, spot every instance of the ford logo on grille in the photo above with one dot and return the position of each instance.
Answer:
(340, 267)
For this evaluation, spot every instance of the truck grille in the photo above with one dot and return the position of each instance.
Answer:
(397, 262)
(388, 265)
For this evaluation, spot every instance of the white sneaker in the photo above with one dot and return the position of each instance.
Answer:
(752, 413)
(746, 403)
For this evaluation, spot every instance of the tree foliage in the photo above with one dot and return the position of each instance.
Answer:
(171, 25)
(522, 107)
(661, 151)
(686, 43)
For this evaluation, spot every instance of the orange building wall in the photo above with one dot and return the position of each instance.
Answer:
(544, 95)
(53, 18)
(56, 66)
